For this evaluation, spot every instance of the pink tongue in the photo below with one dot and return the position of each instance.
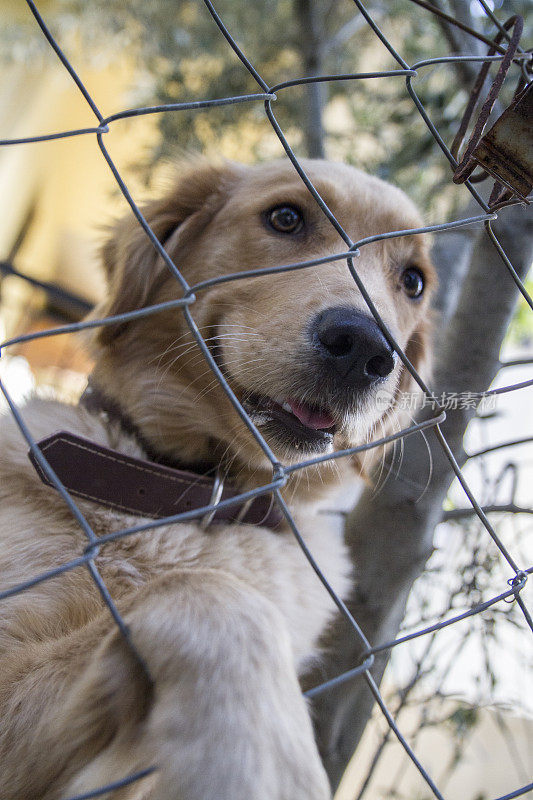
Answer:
(311, 419)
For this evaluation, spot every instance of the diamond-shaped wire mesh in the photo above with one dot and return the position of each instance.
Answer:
(185, 303)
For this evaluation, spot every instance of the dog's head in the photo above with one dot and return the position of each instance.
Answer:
(300, 349)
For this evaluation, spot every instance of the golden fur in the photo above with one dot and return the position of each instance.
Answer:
(226, 619)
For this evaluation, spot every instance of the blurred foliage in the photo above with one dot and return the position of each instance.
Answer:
(181, 55)
(520, 332)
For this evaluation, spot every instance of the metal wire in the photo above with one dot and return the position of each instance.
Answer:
(280, 472)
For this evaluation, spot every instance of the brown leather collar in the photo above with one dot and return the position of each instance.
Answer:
(143, 488)
(155, 487)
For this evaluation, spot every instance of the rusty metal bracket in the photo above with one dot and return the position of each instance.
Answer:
(506, 150)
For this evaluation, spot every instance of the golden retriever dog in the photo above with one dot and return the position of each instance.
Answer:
(226, 615)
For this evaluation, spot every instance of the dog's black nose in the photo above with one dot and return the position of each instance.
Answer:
(351, 342)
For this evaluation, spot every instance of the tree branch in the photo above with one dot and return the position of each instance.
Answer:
(455, 514)
(516, 362)
(500, 446)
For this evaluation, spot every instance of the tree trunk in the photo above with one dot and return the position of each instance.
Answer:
(311, 45)
(390, 534)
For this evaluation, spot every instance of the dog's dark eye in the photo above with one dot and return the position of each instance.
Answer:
(285, 219)
(413, 282)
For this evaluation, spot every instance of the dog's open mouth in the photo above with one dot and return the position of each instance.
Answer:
(293, 423)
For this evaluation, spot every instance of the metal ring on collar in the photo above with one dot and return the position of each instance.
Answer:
(244, 509)
(216, 494)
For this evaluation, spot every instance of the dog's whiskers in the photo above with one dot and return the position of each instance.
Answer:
(244, 331)
(242, 336)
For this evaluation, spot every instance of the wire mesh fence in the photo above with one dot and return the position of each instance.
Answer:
(267, 96)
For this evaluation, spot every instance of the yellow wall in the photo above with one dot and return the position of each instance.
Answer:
(68, 180)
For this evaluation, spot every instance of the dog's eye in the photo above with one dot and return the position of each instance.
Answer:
(413, 282)
(285, 219)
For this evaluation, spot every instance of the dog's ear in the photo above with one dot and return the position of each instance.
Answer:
(134, 268)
